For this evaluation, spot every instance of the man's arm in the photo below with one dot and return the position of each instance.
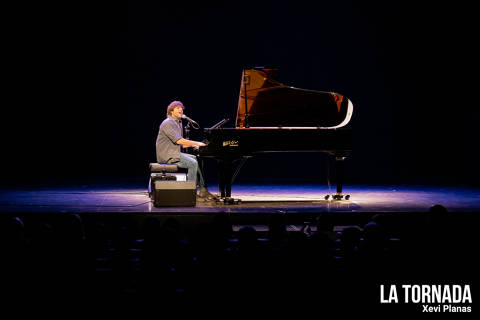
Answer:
(189, 143)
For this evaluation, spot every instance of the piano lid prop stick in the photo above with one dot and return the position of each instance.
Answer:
(246, 106)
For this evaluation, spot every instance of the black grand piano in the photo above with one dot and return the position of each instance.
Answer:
(273, 117)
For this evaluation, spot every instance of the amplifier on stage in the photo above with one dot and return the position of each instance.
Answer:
(171, 193)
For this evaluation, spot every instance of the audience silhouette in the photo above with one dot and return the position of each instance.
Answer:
(155, 258)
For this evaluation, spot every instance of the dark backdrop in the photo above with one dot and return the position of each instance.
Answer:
(87, 83)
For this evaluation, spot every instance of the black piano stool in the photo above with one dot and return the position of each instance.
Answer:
(159, 169)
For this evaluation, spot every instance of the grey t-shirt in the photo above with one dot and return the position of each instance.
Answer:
(169, 133)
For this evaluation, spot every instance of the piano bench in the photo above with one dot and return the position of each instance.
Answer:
(164, 168)
(157, 169)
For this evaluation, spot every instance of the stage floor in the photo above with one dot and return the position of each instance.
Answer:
(254, 198)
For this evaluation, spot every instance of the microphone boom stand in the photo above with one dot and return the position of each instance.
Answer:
(186, 130)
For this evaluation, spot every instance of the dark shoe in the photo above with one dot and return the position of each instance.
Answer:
(204, 193)
(200, 199)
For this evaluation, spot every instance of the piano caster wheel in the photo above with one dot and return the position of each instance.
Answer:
(339, 197)
(231, 201)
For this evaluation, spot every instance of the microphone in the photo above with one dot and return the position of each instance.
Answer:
(192, 121)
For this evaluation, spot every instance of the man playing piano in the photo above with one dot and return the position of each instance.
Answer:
(170, 139)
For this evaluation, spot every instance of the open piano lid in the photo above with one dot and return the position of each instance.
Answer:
(272, 104)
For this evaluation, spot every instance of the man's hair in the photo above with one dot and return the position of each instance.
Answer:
(172, 106)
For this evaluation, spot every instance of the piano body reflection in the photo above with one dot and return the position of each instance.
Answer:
(273, 117)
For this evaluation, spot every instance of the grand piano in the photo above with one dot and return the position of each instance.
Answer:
(274, 117)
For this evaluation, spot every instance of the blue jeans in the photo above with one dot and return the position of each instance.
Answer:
(189, 162)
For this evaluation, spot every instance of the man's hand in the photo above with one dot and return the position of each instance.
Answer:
(190, 143)
(198, 145)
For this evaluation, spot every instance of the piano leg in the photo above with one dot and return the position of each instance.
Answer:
(339, 173)
(221, 178)
(225, 177)
(339, 167)
(225, 167)
(228, 178)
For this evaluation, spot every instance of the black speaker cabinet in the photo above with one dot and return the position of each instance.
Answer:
(174, 193)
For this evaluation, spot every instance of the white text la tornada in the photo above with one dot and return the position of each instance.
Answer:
(442, 294)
